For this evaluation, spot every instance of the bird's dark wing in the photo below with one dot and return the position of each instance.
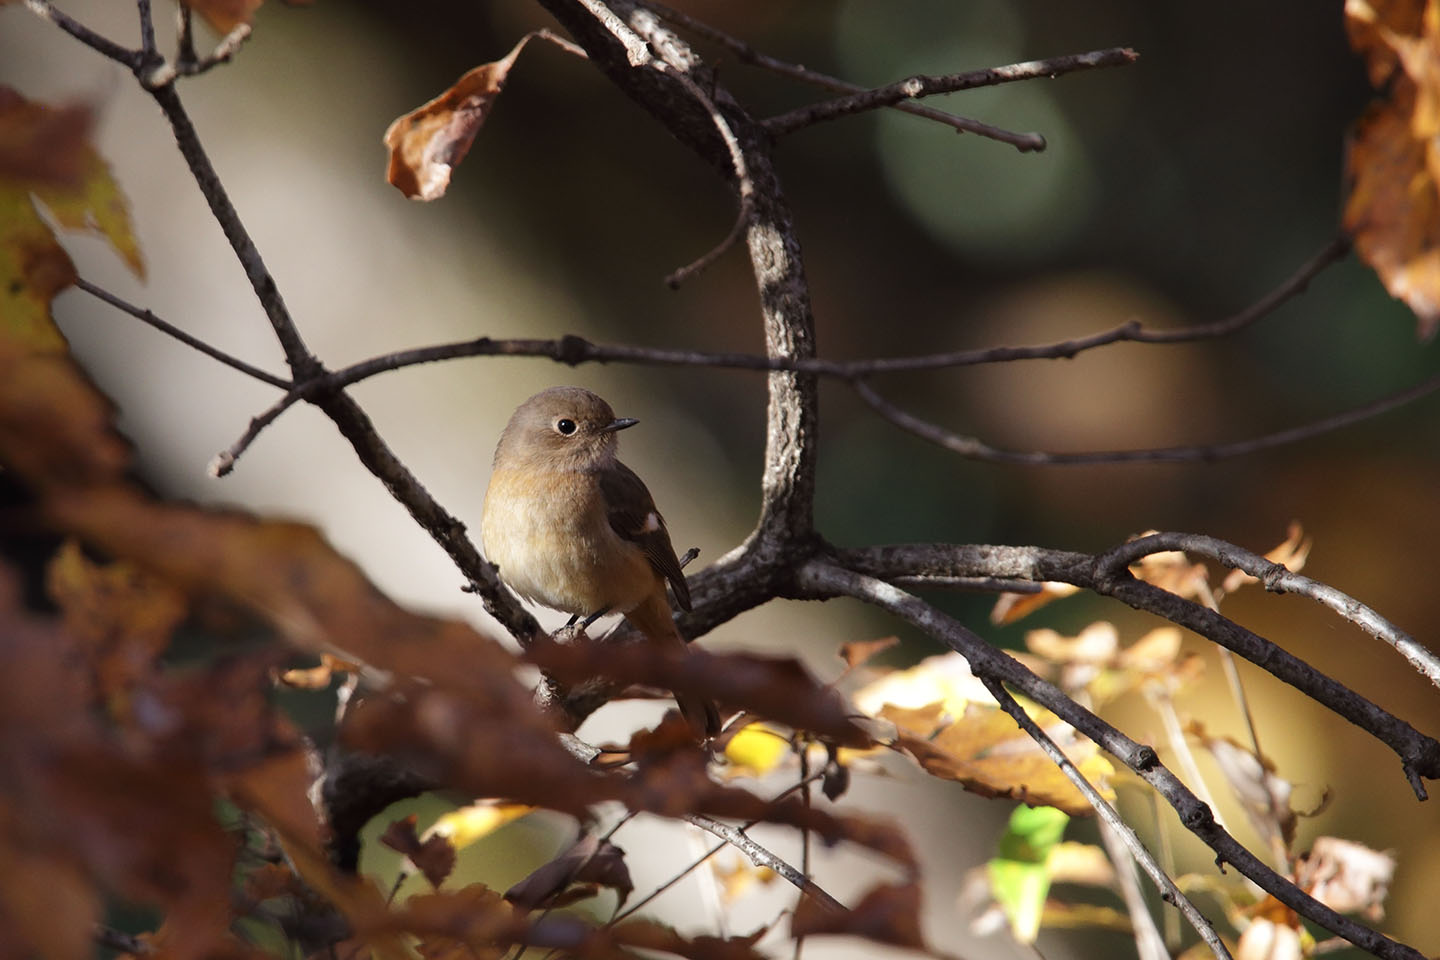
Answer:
(632, 514)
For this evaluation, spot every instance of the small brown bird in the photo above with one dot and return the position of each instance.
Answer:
(573, 528)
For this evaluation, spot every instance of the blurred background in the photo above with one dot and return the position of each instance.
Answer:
(1174, 191)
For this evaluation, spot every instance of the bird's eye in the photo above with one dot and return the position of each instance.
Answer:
(565, 425)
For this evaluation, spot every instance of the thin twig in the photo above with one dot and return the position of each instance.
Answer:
(818, 579)
(924, 86)
(100, 44)
(573, 350)
(744, 185)
(147, 29)
(761, 857)
(1277, 578)
(1024, 142)
(695, 864)
(184, 38)
(1168, 891)
(977, 449)
(224, 52)
(195, 343)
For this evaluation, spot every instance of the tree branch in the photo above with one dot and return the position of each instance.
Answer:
(977, 449)
(102, 45)
(1276, 578)
(821, 580)
(1024, 142)
(762, 857)
(195, 343)
(925, 86)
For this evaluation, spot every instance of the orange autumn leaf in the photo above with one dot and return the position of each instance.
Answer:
(427, 143)
(986, 751)
(224, 15)
(1393, 211)
(46, 158)
(888, 913)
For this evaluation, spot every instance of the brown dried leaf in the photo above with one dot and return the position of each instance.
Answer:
(1347, 876)
(43, 144)
(224, 15)
(590, 861)
(45, 153)
(122, 617)
(886, 914)
(779, 689)
(1291, 555)
(648, 935)
(429, 142)
(987, 753)
(1264, 796)
(433, 856)
(1172, 570)
(1393, 212)
(1010, 607)
(859, 652)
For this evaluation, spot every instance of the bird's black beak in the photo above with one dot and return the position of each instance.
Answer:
(619, 424)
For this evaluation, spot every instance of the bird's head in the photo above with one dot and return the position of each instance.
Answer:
(566, 428)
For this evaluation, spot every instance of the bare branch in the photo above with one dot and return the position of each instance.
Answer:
(1024, 142)
(574, 350)
(1168, 891)
(147, 29)
(145, 316)
(924, 86)
(1277, 578)
(817, 579)
(100, 44)
(302, 362)
(977, 449)
(224, 52)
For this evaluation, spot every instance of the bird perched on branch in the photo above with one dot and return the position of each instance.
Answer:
(573, 528)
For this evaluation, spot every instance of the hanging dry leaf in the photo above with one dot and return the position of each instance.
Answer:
(859, 652)
(224, 15)
(1347, 876)
(434, 856)
(427, 143)
(1264, 796)
(886, 914)
(988, 753)
(1393, 211)
(1010, 607)
(590, 862)
(1291, 554)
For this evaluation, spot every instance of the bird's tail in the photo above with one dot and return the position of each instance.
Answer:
(654, 619)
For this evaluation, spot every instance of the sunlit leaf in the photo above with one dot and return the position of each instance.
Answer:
(756, 749)
(987, 752)
(1020, 874)
(429, 142)
(1010, 607)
